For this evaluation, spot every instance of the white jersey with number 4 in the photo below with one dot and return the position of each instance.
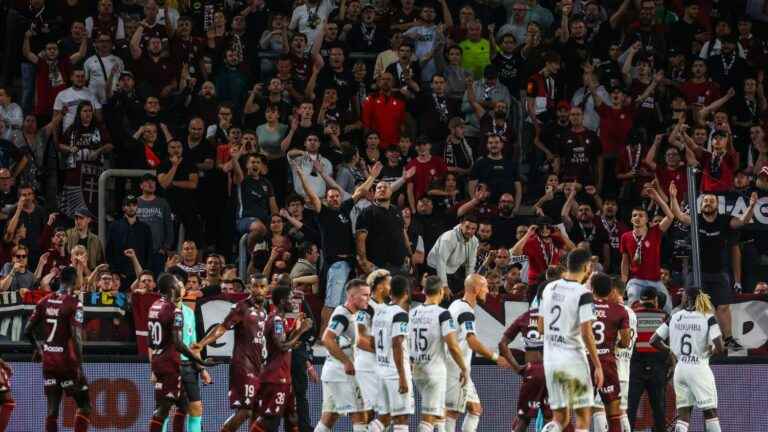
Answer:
(365, 360)
(624, 355)
(390, 322)
(464, 316)
(565, 305)
(690, 334)
(429, 325)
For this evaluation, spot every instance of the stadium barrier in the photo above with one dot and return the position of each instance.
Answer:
(123, 399)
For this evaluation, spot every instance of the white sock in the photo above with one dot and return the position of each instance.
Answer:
(375, 426)
(425, 427)
(581, 430)
(440, 426)
(625, 427)
(470, 423)
(552, 426)
(359, 428)
(450, 424)
(323, 428)
(712, 425)
(599, 422)
(681, 426)
(400, 428)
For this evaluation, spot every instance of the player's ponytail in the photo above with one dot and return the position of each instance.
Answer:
(701, 302)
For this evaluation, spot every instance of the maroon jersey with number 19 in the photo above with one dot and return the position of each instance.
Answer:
(247, 318)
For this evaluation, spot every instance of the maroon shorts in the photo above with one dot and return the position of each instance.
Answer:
(70, 381)
(168, 386)
(533, 393)
(243, 389)
(276, 400)
(611, 389)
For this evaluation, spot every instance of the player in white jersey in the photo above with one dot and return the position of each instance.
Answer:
(566, 313)
(690, 332)
(365, 359)
(341, 395)
(461, 397)
(433, 331)
(393, 364)
(624, 355)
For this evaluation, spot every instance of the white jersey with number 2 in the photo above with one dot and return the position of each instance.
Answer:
(565, 305)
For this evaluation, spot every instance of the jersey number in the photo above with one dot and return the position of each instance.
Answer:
(55, 323)
(380, 341)
(598, 328)
(556, 310)
(250, 390)
(156, 333)
(685, 345)
(420, 339)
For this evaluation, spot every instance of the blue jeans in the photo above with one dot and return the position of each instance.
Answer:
(338, 274)
(635, 288)
(28, 71)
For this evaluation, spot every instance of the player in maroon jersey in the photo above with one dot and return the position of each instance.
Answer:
(533, 392)
(7, 404)
(275, 395)
(55, 330)
(611, 329)
(248, 318)
(165, 323)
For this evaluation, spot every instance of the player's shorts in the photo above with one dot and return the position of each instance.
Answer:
(342, 397)
(456, 396)
(243, 388)
(5, 380)
(71, 381)
(695, 387)
(533, 393)
(191, 382)
(611, 389)
(276, 399)
(624, 394)
(432, 389)
(168, 386)
(392, 402)
(569, 385)
(368, 382)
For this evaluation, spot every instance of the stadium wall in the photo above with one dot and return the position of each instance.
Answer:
(123, 399)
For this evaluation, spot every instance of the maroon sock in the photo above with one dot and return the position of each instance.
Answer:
(52, 424)
(614, 424)
(569, 428)
(256, 426)
(156, 424)
(179, 420)
(5, 413)
(81, 422)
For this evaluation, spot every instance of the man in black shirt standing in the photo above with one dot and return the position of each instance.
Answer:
(380, 237)
(179, 178)
(498, 173)
(714, 232)
(256, 198)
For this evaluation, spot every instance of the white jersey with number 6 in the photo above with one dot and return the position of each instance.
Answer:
(390, 322)
(429, 325)
(624, 355)
(565, 305)
(689, 334)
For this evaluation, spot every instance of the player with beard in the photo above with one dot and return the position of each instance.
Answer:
(584, 228)
(611, 330)
(165, 323)
(714, 232)
(55, 330)
(248, 318)
(543, 245)
(496, 171)
(276, 395)
(615, 228)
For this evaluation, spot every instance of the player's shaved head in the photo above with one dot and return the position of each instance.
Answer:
(601, 284)
(472, 281)
(433, 286)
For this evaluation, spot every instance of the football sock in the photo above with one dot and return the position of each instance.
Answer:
(156, 424)
(179, 419)
(440, 426)
(681, 426)
(470, 423)
(450, 424)
(712, 425)
(51, 423)
(614, 424)
(625, 426)
(552, 426)
(5, 413)
(165, 424)
(376, 426)
(599, 422)
(323, 428)
(194, 423)
(400, 428)
(425, 427)
(81, 422)
(355, 428)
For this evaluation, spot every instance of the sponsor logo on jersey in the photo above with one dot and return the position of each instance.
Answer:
(53, 349)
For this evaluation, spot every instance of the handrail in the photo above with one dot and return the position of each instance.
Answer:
(242, 256)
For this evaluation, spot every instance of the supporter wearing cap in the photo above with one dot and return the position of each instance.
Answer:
(456, 151)
(486, 93)
(156, 213)
(677, 66)
(129, 237)
(81, 235)
(719, 164)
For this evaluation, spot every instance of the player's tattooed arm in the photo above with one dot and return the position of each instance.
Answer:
(364, 341)
(210, 338)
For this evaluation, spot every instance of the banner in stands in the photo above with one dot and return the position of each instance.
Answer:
(736, 204)
(123, 400)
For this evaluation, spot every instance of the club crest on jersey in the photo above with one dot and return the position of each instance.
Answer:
(178, 320)
(403, 327)
(79, 316)
(451, 324)
(469, 325)
(279, 328)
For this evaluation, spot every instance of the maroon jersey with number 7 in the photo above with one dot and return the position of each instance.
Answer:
(59, 313)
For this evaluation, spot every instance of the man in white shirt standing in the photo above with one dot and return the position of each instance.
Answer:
(101, 66)
(454, 254)
(309, 17)
(65, 105)
(424, 36)
(566, 313)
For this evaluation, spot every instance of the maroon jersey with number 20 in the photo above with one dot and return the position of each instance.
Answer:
(164, 319)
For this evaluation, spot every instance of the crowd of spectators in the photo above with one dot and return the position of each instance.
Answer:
(342, 136)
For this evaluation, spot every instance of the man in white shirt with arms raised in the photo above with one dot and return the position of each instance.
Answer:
(566, 313)
(461, 397)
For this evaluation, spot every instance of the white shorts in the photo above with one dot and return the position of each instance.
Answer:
(433, 392)
(391, 401)
(695, 387)
(342, 397)
(560, 390)
(624, 392)
(368, 382)
(456, 396)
